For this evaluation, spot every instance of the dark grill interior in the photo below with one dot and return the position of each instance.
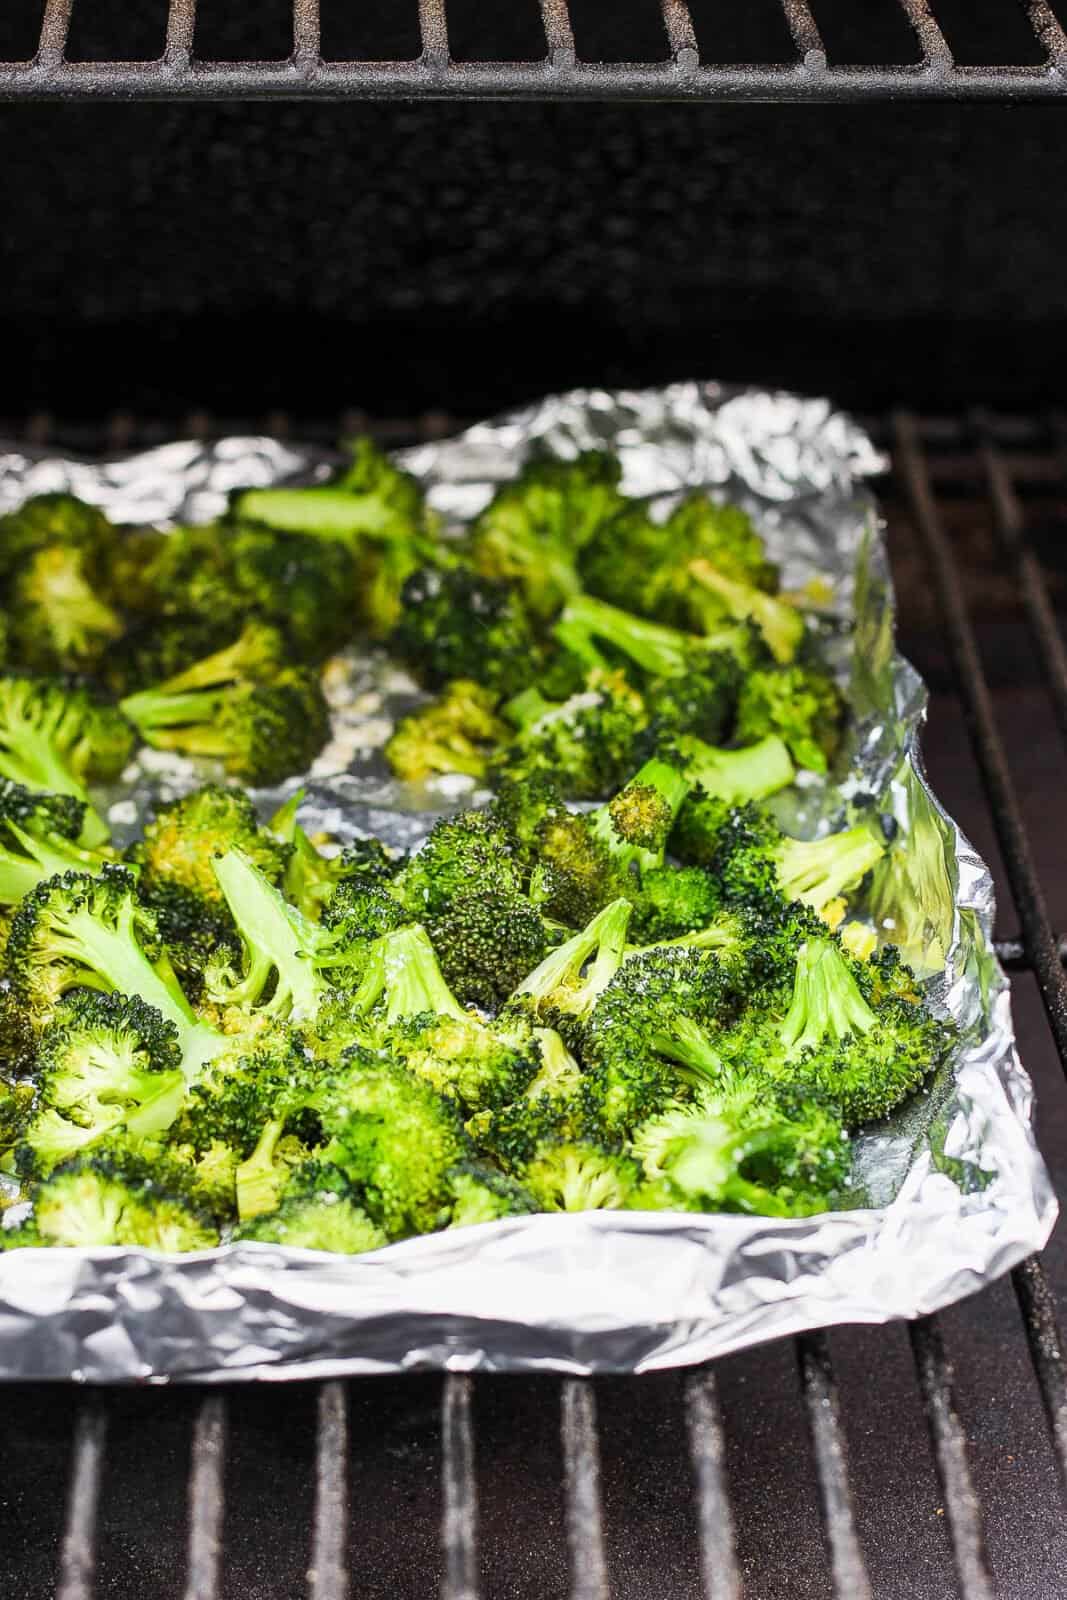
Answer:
(800, 1469)
(440, 49)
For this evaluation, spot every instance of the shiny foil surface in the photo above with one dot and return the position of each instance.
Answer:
(953, 1189)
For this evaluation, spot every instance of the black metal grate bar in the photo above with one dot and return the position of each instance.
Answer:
(328, 1573)
(1049, 31)
(77, 1561)
(460, 1517)
(306, 31)
(559, 35)
(953, 1469)
(707, 1449)
(831, 1462)
(681, 35)
(206, 1499)
(805, 32)
(181, 25)
(581, 1471)
(1046, 1350)
(178, 75)
(54, 30)
(433, 26)
(932, 42)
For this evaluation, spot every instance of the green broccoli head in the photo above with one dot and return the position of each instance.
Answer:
(643, 566)
(106, 1200)
(742, 1146)
(759, 866)
(470, 851)
(457, 624)
(579, 1176)
(673, 902)
(57, 521)
(58, 735)
(487, 940)
(323, 1221)
(395, 1139)
(455, 733)
(672, 1000)
(154, 649)
(177, 852)
(534, 528)
(800, 705)
(58, 621)
(481, 1193)
(584, 744)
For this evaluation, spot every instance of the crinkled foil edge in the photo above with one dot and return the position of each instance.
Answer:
(597, 1291)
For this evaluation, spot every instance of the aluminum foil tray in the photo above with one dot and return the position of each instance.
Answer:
(955, 1191)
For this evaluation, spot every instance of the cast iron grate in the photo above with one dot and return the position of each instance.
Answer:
(686, 71)
(929, 458)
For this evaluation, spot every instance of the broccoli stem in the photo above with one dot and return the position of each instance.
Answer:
(258, 1180)
(407, 972)
(524, 709)
(561, 969)
(153, 709)
(689, 1046)
(276, 937)
(781, 625)
(751, 773)
(826, 1000)
(816, 871)
(661, 651)
(324, 513)
(44, 858)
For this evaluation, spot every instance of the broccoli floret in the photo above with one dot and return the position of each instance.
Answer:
(799, 704)
(176, 856)
(78, 931)
(279, 943)
(780, 624)
(570, 1176)
(104, 1061)
(549, 1108)
(487, 940)
(634, 826)
(643, 566)
(563, 990)
(659, 650)
(360, 910)
(535, 527)
(37, 831)
(751, 773)
(55, 520)
(395, 1139)
(743, 1146)
(154, 649)
(673, 902)
(58, 622)
(835, 1031)
(585, 743)
(242, 706)
(701, 703)
(911, 899)
(425, 1027)
(324, 1221)
(98, 1201)
(758, 865)
(456, 624)
(481, 1193)
(470, 851)
(59, 735)
(455, 733)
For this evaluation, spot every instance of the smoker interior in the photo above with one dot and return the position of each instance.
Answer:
(318, 268)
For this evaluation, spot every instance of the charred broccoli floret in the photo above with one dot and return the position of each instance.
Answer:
(534, 528)
(241, 706)
(457, 732)
(470, 851)
(456, 624)
(743, 1146)
(78, 931)
(59, 735)
(487, 940)
(481, 1193)
(424, 1026)
(104, 1061)
(643, 566)
(395, 1139)
(585, 743)
(836, 1031)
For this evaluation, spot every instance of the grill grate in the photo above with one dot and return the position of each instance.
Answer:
(930, 461)
(683, 74)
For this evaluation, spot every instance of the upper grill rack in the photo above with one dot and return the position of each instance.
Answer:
(992, 453)
(683, 74)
